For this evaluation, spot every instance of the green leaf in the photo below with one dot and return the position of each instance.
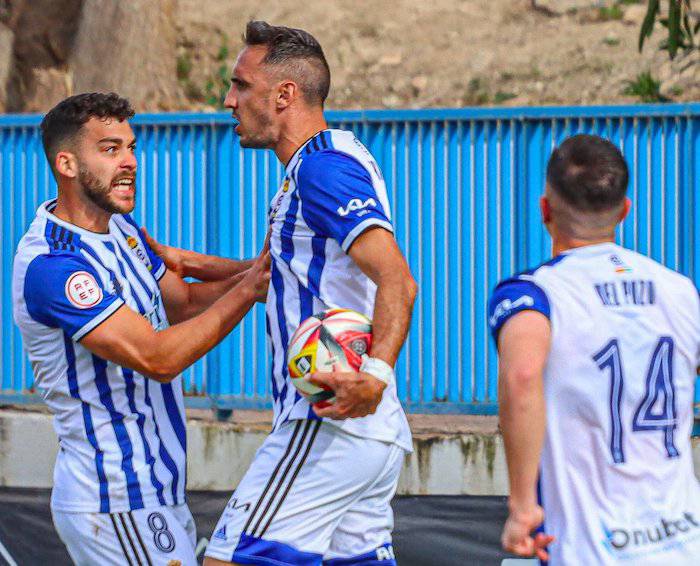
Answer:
(648, 23)
(674, 27)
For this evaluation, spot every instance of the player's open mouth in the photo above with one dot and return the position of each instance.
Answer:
(124, 186)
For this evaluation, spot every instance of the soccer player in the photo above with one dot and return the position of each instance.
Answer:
(94, 305)
(319, 488)
(598, 350)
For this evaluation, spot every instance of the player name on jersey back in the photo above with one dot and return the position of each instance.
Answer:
(618, 293)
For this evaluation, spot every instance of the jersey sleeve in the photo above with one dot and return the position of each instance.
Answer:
(157, 266)
(513, 296)
(65, 291)
(338, 198)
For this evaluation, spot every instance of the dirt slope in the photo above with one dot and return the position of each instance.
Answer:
(408, 53)
(383, 54)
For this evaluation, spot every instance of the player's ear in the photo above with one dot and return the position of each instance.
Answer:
(66, 164)
(626, 207)
(545, 209)
(286, 93)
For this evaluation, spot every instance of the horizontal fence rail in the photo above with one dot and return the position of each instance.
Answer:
(464, 188)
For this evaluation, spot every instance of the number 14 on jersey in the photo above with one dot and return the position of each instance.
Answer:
(659, 393)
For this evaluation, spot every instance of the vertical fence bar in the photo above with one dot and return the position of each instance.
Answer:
(440, 266)
(453, 242)
(413, 208)
(466, 297)
(401, 174)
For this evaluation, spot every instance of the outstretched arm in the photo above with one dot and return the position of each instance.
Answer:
(127, 339)
(184, 300)
(186, 263)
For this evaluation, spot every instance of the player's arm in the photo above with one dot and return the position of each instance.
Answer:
(186, 263)
(523, 347)
(378, 256)
(129, 340)
(328, 183)
(519, 312)
(66, 292)
(184, 300)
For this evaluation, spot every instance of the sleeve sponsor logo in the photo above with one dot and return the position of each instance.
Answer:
(82, 290)
(355, 205)
(506, 306)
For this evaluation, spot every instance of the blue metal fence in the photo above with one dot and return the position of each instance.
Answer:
(464, 188)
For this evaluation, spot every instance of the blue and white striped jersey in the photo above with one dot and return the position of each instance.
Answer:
(616, 479)
(121, 435)
(331, 193)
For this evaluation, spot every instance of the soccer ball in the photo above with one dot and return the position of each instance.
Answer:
(332, 340)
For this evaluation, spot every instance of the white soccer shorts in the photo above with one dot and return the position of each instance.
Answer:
(312, 495)
(159, 536)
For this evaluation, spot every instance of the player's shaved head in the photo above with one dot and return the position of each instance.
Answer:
(587, 180)
(296, 54)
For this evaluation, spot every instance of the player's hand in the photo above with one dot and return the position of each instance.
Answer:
(257, 277)
(264, 253)
(517, 535)
(172, 257)
(357, 394)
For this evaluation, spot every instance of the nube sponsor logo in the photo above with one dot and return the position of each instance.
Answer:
(645, 538)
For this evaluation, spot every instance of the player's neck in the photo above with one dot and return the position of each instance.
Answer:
(81, 213)
(561, 244)
(297, 133)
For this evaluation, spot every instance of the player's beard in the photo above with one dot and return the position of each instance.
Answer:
(262, 137)
(99, 193)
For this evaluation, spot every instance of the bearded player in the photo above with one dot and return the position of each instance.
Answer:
(95, 307)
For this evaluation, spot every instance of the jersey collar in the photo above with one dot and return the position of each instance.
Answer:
(45, 209)
(317, 142)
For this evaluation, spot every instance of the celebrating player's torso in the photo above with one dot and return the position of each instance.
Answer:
(617, 477)
(122, 436)
(331, 193)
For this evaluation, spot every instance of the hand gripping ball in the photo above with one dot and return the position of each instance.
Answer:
(332, 340)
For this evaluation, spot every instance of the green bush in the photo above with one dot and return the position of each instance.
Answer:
(646, 87)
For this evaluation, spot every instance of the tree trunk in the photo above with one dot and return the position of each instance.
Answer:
(129, 48)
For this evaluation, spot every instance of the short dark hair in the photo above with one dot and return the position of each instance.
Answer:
(65, 120)
(288, 47)
(589, 173)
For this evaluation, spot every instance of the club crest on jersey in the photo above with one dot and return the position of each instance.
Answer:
(82, 290)
(140, 253)
(355, 205)
(277, 204)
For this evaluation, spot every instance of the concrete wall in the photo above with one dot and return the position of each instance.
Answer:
(446, 464)
(443, 463)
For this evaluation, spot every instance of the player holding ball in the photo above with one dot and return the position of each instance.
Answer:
(305, 499)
